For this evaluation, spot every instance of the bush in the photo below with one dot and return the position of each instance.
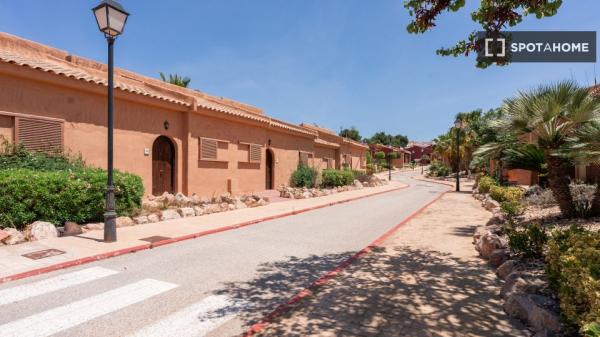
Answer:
(361, 176)
(304, 176)
(58, 196)
(438, 169)
(544, 198)
(528, 242)
(510, 194)
(17, 157)
(583, 197)
(485, 183)
(335, 178)
(591, 330)
(511, 209)
(573, 267)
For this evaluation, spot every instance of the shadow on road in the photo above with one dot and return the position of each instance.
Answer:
(390, 292)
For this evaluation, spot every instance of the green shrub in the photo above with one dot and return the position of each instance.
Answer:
(17, 157)
(438, 169)
(335, 178)
(528, 242)
(511, 209)
(57, 196)
(510, 194)
(591, 330)
(304, 176)
(583, 197)
(573, 267)
(361, 175)
(485, 183)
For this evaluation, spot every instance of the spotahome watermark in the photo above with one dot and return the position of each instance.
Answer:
(536, 46)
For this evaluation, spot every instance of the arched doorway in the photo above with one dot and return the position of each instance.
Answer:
(163, 166)
(269, 169)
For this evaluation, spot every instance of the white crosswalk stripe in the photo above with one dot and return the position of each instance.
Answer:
(194, 321)
(59, 282)
(67, 316)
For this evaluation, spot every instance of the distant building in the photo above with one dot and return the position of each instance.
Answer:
(418, 149)
(402, 155)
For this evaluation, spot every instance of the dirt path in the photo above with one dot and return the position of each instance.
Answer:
(426, 280)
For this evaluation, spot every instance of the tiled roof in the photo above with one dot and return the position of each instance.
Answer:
(355, 143)
(24, 53)
(318, 128)
(326, 143)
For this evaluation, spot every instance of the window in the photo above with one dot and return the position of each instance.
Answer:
(39, 134)
(304, 158)
(254, 153)
(208, 149)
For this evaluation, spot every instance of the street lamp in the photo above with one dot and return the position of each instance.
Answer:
(458, 125)
(111, 19)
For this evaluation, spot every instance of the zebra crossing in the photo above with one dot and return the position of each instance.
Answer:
(195, 320)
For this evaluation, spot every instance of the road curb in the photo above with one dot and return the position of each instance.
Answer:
(128, 250)
(308, 291)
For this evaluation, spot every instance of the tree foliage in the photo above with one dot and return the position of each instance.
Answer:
(351, 133)
(182, 81)
(387, 139)
(492, 15)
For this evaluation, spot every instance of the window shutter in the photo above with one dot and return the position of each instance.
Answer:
(208, 149)
(255, 153)
(304, 158)
(39, 134)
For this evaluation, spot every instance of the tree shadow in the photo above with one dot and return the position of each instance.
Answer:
(395, 291)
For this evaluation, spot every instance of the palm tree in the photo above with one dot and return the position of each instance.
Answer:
(550, 117)
(176, 79)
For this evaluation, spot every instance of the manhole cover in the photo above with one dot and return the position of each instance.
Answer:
(156, 238)
(42, 254)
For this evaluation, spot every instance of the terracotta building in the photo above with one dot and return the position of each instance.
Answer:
(176, 139)
(418, 149)
(403, 156)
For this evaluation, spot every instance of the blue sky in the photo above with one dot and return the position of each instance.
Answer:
(336, 63)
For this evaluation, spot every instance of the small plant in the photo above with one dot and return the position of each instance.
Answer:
(543, 198)
(583, 197)
(304, 176)
(485, 183)
(510, 194)
(528, 242)
(438, 169)
(511, 209)
(591, 330)
(335, 178)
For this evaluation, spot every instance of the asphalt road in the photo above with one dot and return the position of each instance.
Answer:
(215, 285)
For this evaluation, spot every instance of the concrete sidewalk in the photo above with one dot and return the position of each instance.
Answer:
(89, 246)
(425, 280)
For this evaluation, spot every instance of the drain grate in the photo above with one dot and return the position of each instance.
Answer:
(156, 238)
(42, 254)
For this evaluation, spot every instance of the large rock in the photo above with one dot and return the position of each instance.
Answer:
(226, 197)
(198, 211)
(169, 214)
(14, 236)
(490, 204)
(124, 221)
(152, 206)
(41, 230)
(140, 220)
(507, 268)
(3, 235)
(488, 243)
(152, 218)
(522, 282)
(71, 228)
(239, 204)
(181, 200)
(358, 184)
(261, 202)
(186, 212)
(94, 226)
(479, 232)
(168, 199)
(531, 309)
(498, 257)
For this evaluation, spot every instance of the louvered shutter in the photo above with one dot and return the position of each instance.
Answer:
(40, 135)
(254, 154)
(208, 149)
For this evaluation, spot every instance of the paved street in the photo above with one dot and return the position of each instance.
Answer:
(211, 286)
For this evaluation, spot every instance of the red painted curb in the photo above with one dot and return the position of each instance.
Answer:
(308, 291)
(134, 249)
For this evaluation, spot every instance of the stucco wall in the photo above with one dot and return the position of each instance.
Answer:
(6, 127)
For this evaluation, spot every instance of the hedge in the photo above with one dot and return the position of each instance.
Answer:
(335, 178)
(304, 176)
(69, 195)
(485, 183)
(506, 194)
(573, 266)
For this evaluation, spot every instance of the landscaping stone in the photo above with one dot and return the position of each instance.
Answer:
(498, 257)
(140, 220)
(186, 212)
(522, 282)
(41, 230)
(169, 214)
(94, 226)
(226, 197)
(124, 221)
(152, 218)
(198, 210)
(239, 204)
(531, 309)
(479, 232)
(71, 228)
(168, 199)
(506, 268)
(358, 184)
(14, 236)
(181, 200)
(152, 205)
(488, 243)
(490, 204)
(262, 202)
(3, 235)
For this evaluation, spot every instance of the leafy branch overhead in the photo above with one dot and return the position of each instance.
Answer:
(492, 15)
(182, 81)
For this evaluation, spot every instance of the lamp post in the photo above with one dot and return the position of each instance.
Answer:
(390, 166)
(111, 19)
(458, 125)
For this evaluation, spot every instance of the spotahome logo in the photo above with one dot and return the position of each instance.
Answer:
(533, 46)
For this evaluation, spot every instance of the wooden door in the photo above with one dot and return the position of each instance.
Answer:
(163, 158)
(269, 170)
